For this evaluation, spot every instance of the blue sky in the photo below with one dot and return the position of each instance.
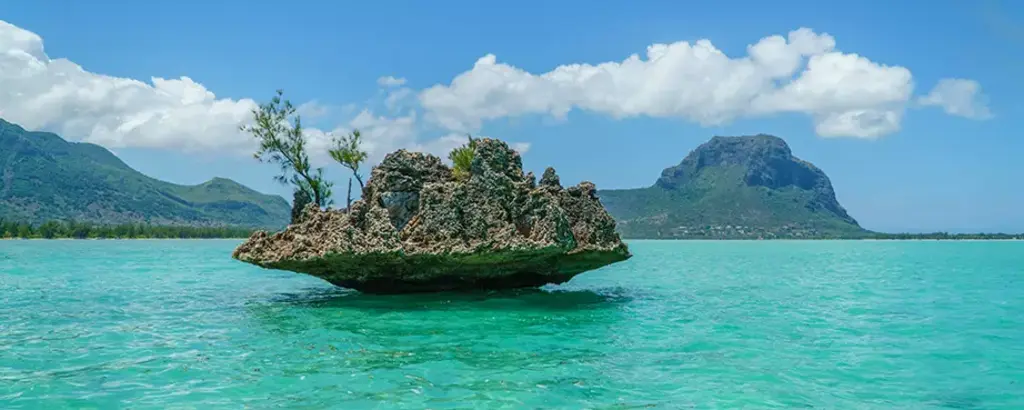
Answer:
(908, 166)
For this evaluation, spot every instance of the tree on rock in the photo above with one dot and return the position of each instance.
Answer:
(347, 151)
(462, 159)
(300, 199)
(279, 131)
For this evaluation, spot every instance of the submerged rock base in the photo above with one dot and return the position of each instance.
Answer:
(398, 273)
(420, 229)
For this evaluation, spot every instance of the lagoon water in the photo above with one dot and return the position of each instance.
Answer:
(830, 324)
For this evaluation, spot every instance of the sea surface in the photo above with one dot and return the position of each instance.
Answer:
(178, 324)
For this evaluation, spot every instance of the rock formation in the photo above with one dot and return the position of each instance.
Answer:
(745, 187)
(418, 229)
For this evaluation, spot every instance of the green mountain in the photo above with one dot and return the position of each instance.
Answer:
(43, 177)
(734, 187)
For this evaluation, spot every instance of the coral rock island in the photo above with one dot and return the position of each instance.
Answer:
(420, 228)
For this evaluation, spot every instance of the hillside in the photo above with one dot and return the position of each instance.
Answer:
(734, 187)
(43, 177)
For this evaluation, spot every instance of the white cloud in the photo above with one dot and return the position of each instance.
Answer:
(397, 97)
(521, 147)
(846, 95)
(390, 81)
(383, 134)
(312, 109)
(41, 93)
(958, 97)
(380, 135)
(442, 146)
(38, 92)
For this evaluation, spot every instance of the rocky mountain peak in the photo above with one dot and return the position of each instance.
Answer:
(767, 156)
(749, 186)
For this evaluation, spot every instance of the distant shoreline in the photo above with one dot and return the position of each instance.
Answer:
(939, 236)
(825, 240)
(624, 239)
(119, 239)
(66, 230)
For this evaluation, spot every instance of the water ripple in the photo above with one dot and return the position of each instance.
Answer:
(171, 324)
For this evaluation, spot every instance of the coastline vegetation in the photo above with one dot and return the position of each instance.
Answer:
(86, 230)
(945, 236)
(789, 232)
(877, 236)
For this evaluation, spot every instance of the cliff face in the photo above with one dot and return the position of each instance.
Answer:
(767, 162)
(418, 228)
(748, 186)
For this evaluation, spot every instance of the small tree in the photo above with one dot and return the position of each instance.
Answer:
(462, 158)
(300, 199)
(347, 151)
(279, 131)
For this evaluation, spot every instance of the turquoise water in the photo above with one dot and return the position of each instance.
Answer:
(835, 325)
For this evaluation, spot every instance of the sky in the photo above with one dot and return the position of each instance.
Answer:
(913, 112)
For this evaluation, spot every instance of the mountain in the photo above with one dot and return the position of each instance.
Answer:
(734, 187)
(43, 177)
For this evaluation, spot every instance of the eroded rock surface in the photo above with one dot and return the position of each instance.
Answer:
(419, 229)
